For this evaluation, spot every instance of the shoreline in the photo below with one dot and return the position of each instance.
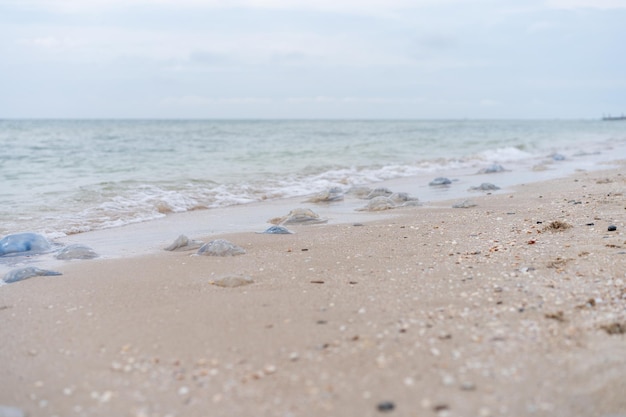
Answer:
(437, 311)
(151, 236)
(111, 200)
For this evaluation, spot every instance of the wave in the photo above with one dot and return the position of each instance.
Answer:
(117, 204)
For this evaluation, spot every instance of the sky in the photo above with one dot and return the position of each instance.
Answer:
(316, 59)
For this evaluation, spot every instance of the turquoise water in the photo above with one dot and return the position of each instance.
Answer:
(61, 177)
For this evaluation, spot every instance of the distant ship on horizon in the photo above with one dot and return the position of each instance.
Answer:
(611, 118)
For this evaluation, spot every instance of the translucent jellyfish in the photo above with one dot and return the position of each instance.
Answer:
(464, 204)
(232, 281)
(276, 230)
(27, 272)
(439, 181)
(327, 196)
(76, 251)
(183, 243)
(220, 247)
(378, 192)
(492, 169)
(485, 186)
(24, 243)
(378, 204)
(299, 216)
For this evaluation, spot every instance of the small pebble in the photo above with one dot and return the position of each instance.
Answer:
(612, 228)
(385, 406)
(468, 386)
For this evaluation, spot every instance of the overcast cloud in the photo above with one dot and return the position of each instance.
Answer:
(322, 59)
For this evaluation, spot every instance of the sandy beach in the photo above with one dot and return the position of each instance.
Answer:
(514, 307)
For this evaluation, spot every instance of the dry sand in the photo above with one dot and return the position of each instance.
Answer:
(487, 311)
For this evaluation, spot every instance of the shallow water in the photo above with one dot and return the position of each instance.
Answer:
(62, 177)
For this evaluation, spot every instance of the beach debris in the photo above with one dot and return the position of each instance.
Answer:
(276, 230)
(612, 228)
(232, 281)
(220, 247)
(76, 251)
(440, 181)
(492, 169)
(614, 328)
(385, 406)
(379, 192)
(379, 203)
(558, 316)
(6, 411)
(299, 216)
(24, 243)
(557, 157)
(558, 264)
(485, 186)
(183, 243)
(20, 274)
(557, 226)
(464, 204)
(327, 196)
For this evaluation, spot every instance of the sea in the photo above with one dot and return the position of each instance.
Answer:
(66, 177)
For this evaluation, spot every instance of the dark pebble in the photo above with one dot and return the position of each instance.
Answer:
(386, 406)
(590, 224)
(612, 228)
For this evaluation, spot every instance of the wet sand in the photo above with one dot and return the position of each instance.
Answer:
(496, 310)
